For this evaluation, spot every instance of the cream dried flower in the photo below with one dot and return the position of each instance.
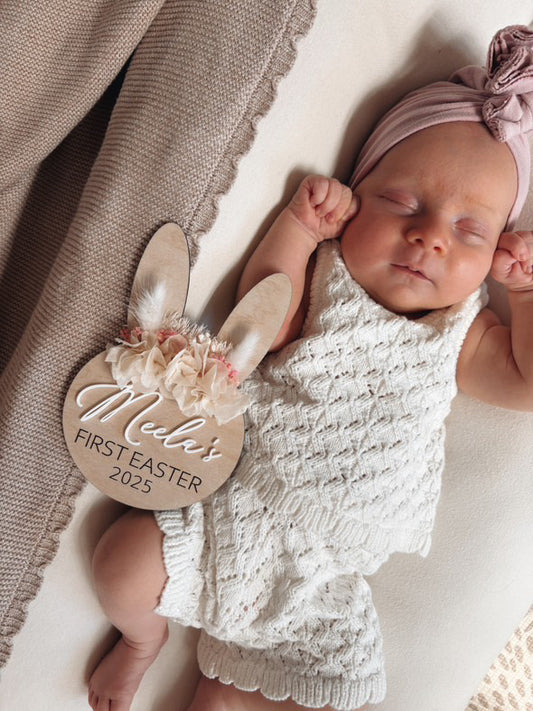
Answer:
(182, 362)
(203, 382)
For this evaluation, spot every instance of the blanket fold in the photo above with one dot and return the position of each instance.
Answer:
(117, 116)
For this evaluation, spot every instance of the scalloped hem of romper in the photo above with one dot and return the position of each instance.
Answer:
(279, 686)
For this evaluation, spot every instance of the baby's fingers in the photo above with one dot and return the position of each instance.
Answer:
(504, 266)
(330, 203)
(517, 244)
(325, 205)
(318, 187)
(346, 207)
(512, 261)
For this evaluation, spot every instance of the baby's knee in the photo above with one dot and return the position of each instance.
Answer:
(128, 562)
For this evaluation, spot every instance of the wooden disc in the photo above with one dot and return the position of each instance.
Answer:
(139, 448)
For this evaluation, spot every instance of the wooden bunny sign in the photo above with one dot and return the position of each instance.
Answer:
(156, 420)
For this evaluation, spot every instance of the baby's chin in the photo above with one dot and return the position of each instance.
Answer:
(419, 300)
(416, 308)
(401, 301)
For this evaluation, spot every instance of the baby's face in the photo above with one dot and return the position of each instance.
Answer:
(431, 213)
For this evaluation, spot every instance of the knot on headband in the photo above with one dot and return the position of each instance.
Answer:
(508, 80)
(499, 95)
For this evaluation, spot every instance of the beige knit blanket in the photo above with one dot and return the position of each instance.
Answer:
(116, 116)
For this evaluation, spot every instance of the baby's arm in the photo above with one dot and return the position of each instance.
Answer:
(319, 210)
(496, 362)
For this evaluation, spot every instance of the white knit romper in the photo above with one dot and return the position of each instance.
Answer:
(341, 467)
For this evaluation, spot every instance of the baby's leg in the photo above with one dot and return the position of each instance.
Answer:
(211, 695)
(129, 576)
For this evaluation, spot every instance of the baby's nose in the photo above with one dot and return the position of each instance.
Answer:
(430, 233)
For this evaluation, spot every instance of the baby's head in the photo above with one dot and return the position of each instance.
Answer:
(442, 175)
(431, 213)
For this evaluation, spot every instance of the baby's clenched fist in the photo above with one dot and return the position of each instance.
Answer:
(323, 206)
(512, 264)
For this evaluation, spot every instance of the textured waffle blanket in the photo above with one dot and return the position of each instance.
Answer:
(117, 116)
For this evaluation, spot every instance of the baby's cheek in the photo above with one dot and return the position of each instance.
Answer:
(473, 272)
(496, 257)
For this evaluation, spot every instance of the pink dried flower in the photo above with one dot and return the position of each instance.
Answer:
(166, 333)
(125, 334)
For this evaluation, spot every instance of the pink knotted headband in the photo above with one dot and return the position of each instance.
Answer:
(499, 95)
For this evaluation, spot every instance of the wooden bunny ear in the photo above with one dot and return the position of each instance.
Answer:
(161, 281)
(254, 323)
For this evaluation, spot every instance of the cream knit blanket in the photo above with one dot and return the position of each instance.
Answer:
(117, 116)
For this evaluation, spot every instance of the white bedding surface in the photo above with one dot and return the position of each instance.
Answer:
(444, 618)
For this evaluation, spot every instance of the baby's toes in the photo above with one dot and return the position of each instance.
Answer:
(93, 699)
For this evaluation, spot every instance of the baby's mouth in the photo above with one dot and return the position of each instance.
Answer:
(412, 270)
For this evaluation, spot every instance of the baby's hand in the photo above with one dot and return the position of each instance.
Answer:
(513, 260)
(323, 206)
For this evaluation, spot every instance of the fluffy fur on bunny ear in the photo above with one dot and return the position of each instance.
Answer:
(254, 323)
(162, 279)
(149, 306)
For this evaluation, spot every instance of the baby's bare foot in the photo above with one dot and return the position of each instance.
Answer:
(116, 679)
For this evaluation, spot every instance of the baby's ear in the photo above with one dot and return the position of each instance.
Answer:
(254, 323)
(161, 281)
(352, 209)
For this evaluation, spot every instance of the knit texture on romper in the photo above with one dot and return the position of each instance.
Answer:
(341, 466)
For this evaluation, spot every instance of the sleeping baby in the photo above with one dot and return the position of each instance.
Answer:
(344, 442)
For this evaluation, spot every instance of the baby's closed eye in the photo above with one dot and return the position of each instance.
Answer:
(470, 228)
(399, 202)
